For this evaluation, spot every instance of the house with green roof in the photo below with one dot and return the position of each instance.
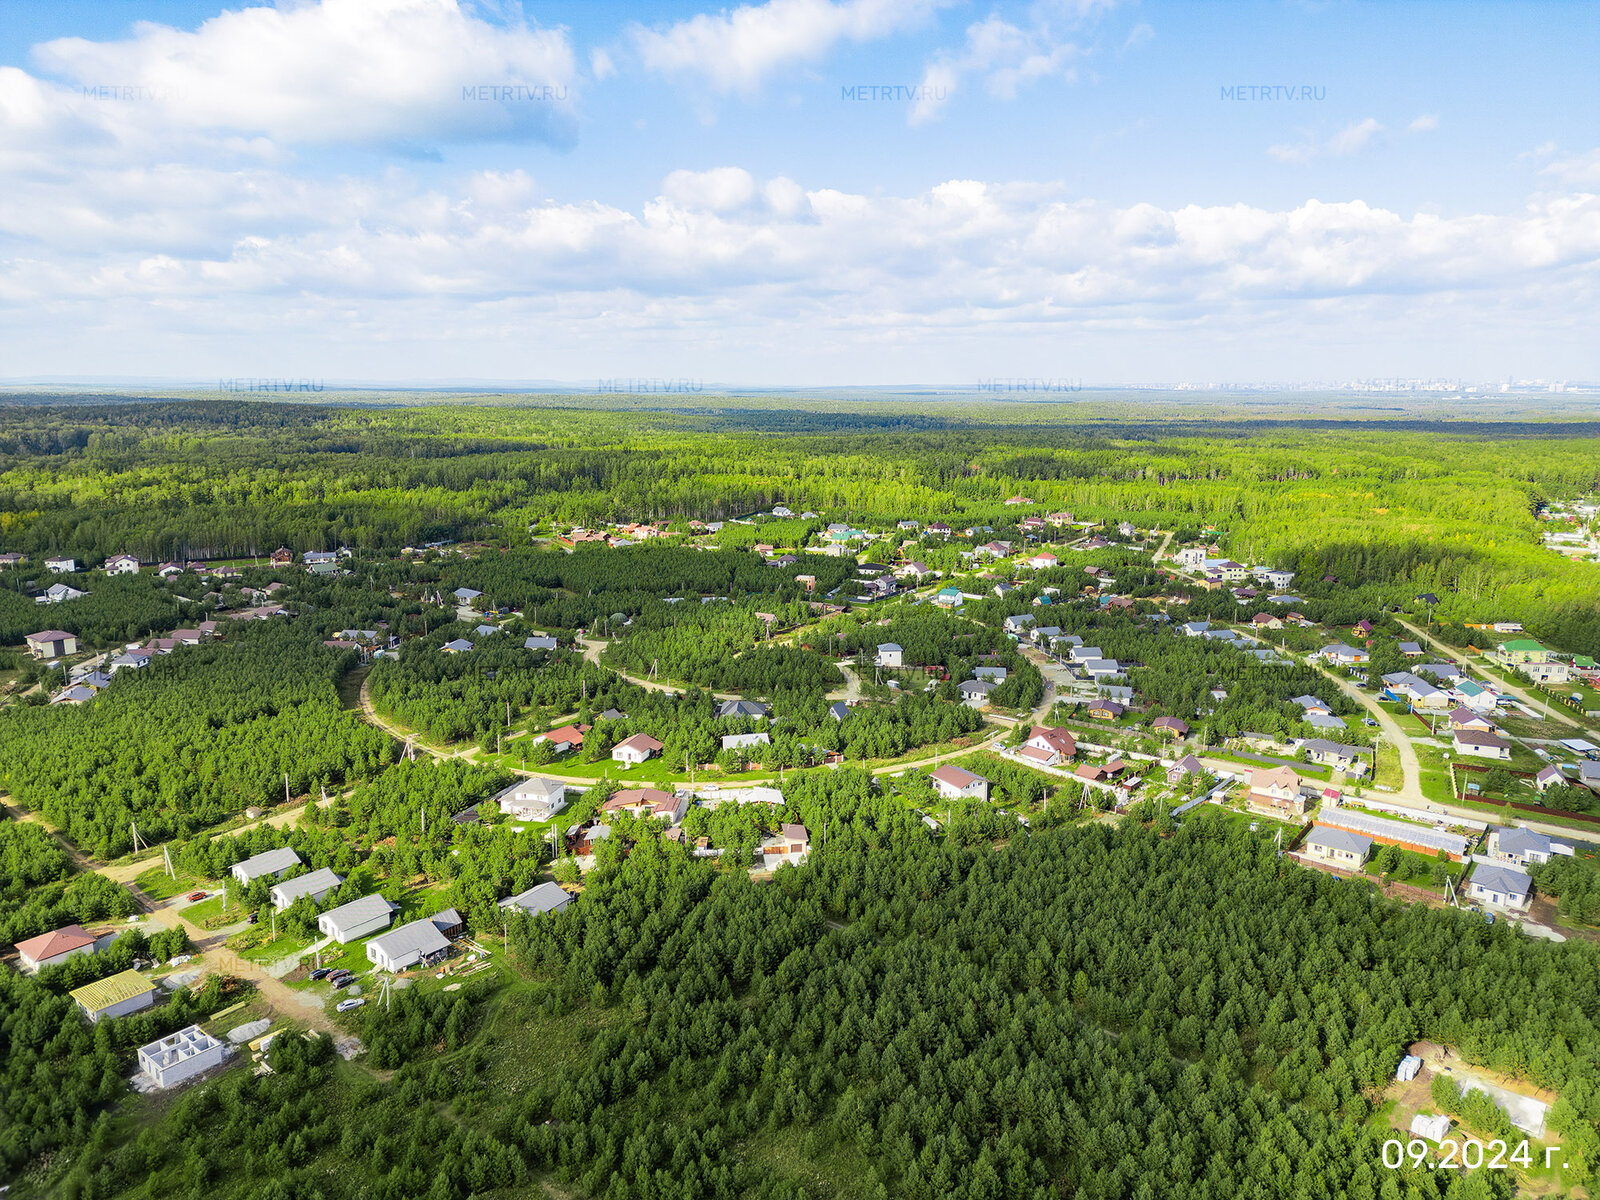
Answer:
(1523, 650)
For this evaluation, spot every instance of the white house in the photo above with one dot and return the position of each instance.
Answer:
(315, 884)
(357, 919)
(61, 566)
(269, 864)
(180, 1056)
(535, 799)
(890, 655)
(48, 949)
(1042, 560)
(737, 741)
(1476, 744)
(1523, 847)
(115, 996)
(1338, 846)
(956, 783)
(636, 749)
(421, 943)
(1503, 887)
(58, 593)
(975, 692)
(122, 564)
(792, 843)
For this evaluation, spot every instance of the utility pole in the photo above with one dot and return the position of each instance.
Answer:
(286, 787)
(166, 857)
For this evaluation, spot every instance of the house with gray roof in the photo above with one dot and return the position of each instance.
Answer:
(267, 865)
(533, 799)
(1338, 846)
(741, 708)
(419, 943)
(1503, 887)
(1523, 847)
(357, 919)
(315, 884)
(539, 642)
(541, 898)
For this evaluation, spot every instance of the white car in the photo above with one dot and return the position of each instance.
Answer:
(347, 1005)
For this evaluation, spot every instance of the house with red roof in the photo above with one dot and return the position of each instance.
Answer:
(48, 949)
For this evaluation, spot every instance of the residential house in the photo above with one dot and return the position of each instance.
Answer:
(1275, 579)
(269, 864)
(1410, 649)
(61, 566)
(1044, 559)
(949, 597)
(1338, 846)
(740, 708)
(456, 646)
(52, 643)
(1502, 887)
(539, 642)
(792, 843)
(1278, 788)
(115, 996)
(11, 559)
(648, 802)
(1186, 766)
(191, 1051)
(1474, 696)
(1442, 671)
(466, 595)
(315, 884)
(1018, 623)
(1266, 621)
(1335, 754)
(992, 674)
(975, 692)
(1312, 705)
(121, 564)
(546, 897)
(1105, 710)
(737, 741)
(1195, 628)
(534, 799)
(1048, 746)
(357, 919)
(48, 949)
(282, 557)
(1523, 847)
(1474, 744)
(1521, 651)
(1170, 727)
(1466, 718)
(1548, 778)
(58, 593)
(957, 783)
(1101, 668)
(77, 694)
(1343, 656)
(890, 655)
(838, 710)
(420, 943)
(568, 737)
(636, 749)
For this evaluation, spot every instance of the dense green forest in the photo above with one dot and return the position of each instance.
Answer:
(1082, 1010)
(1405, 508)
(190, 740)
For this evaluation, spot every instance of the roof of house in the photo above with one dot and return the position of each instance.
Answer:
(795, 833)
(355, 912)
(269, 862)
(535, 786)
(1170, 723)
(321, 880)
(639, 741)
(1037, 754)
(957, 777)
(1324, 746)
(1476, 737)
(113, 989)
(1517, 840)
(567, 733)
(1059, 738)
(540, 898)
(1190, 764)
(49, 635)
(58, 941)
(422, 936)
(741, 708)
(1275, 777)
(1339, 839)
(1502, 879)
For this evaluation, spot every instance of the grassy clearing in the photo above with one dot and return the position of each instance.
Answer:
(158, 885)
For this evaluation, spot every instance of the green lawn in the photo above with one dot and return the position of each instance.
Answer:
(158, 885)
(1414, 868)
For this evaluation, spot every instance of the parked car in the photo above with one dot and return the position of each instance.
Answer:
(347, 1005)
(343, 983)
(1368, 721)
(195, 896)
(321, 972)
(254, 917)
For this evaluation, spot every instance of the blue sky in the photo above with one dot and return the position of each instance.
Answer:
(435, 190)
